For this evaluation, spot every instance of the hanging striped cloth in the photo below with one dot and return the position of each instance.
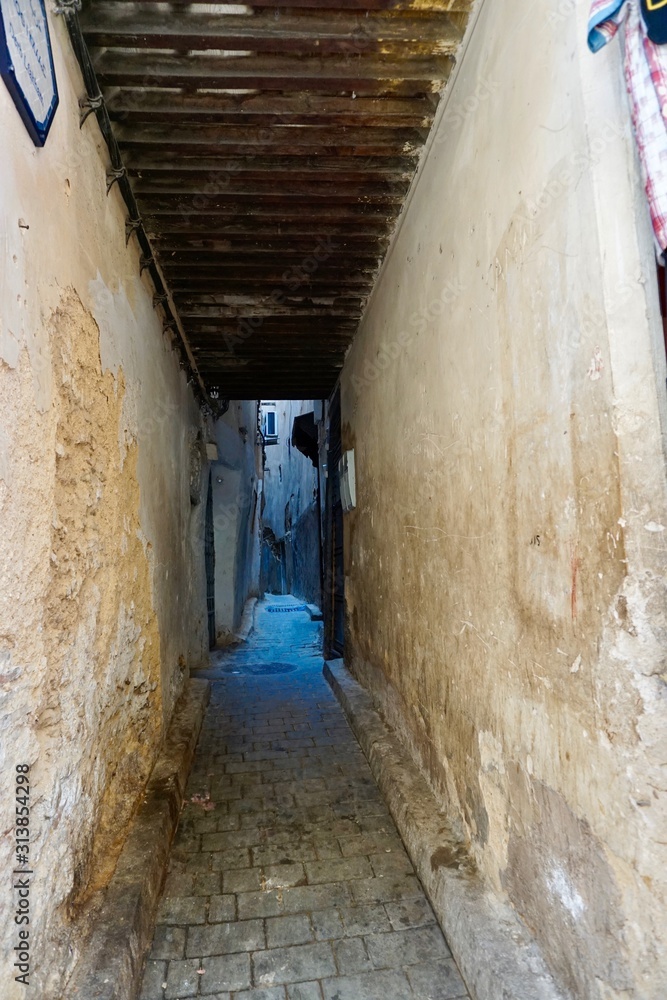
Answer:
(645, 66)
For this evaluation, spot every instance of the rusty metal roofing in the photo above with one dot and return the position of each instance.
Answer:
(269, 148)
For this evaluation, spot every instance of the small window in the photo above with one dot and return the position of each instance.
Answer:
(270, 423)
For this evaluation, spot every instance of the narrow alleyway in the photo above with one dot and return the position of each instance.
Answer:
(291, 883)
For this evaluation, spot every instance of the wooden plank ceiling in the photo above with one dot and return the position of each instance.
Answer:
(270, 147)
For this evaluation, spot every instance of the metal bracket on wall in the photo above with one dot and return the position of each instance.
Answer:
(66, 6)
(114, 175)
(87, 105)
(131, 226)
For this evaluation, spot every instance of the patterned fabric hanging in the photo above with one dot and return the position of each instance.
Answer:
(645, 66)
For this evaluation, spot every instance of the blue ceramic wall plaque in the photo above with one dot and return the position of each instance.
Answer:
(26, 64)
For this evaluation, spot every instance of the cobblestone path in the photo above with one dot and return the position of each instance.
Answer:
(296, 885)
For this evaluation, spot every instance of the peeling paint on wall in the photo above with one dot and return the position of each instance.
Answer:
(558, 871)
(98, 602)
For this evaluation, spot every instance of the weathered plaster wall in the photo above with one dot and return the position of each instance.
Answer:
(290, 511)
(102, 600)
(305, 546)
(505, 565)
(236, 481)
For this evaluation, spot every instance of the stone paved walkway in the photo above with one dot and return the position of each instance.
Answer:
(296, 885)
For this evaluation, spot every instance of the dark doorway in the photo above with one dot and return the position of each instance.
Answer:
(662, 292)
(209, 561)
(334, 572)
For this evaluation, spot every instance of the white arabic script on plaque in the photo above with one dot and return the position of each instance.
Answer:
(28, 47)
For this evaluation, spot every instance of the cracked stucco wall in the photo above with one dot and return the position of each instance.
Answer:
(505, 565)
(102, 591)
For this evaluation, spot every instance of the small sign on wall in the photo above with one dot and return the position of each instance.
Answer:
(26, 64)
(348, 482)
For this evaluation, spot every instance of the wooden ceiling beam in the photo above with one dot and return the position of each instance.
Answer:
(127, 104)
(133, 142)
(222, 278)
(324, 349)
(356, 296)
(306, 253)
(198, 137)
(291, 369)
(436, 6)
(255, 382)
(295, 252)
(243, 271)
(203, 264)
(180, 246)
(140, 162)
(235, 374)
(344, 260)
(335, 293)
(280, 146)
(373, 245)
(286, 339)
(323, 339)
(166, 190)
(277, 209)
(332, 74)
(261, 229)
(309, 327)
(113, 24)
(317, 362)
(243, 275)
(333, 301)
(190, 182)
(187, 289)
(168, 198)
(195, 310)
(214, 324)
